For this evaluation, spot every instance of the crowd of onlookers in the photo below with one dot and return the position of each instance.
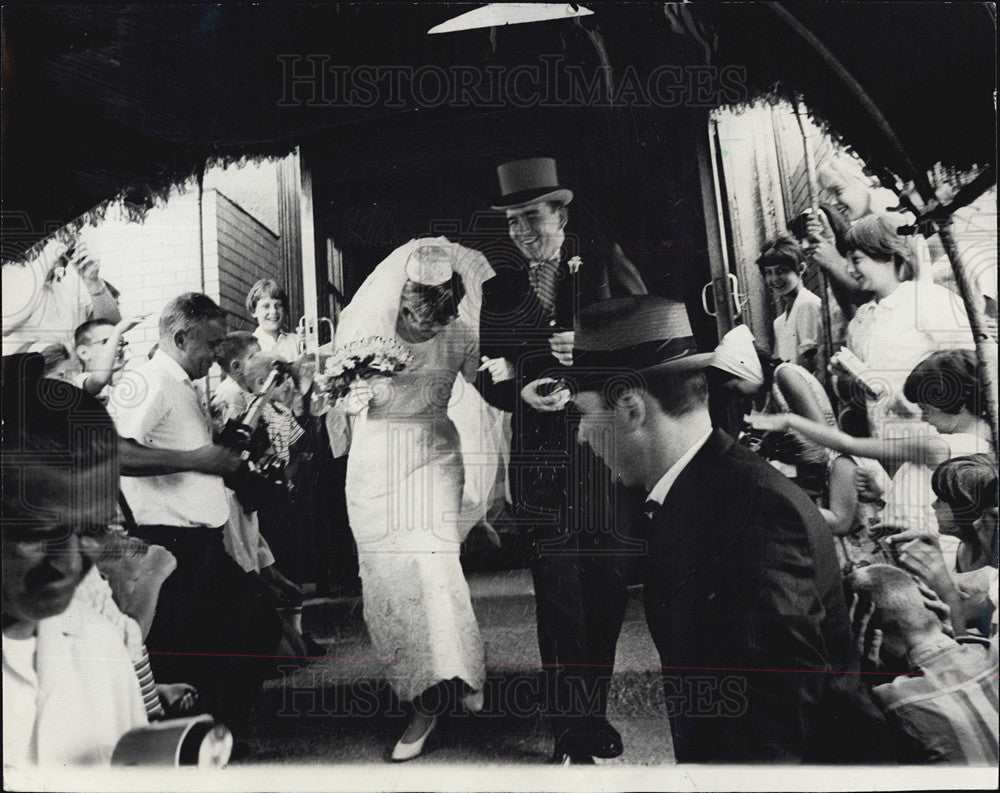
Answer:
(135, 532)
(901, 460)
(186, 573)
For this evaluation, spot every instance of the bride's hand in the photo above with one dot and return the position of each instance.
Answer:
(357, 397)
(500, 369)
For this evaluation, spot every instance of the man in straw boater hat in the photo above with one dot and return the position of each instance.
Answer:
(743, 594)
(563, 499)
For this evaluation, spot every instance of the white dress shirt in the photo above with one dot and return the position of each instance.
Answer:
(662, 488)
(156, 405)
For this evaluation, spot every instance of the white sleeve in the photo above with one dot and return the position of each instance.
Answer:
(943, 317)
(136, 407)
(264, 556)
(808, 324)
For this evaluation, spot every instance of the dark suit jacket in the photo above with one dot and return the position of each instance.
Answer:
(515, 326)
(744, 599)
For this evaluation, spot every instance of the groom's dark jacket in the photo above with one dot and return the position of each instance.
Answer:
(744, 599)
(514, 325)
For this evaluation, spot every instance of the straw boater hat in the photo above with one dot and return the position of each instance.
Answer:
(525, 182)
(642, 335)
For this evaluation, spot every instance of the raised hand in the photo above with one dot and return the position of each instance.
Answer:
(867, 485)
(869, 643)
(919, 553)
(358, 397)
(127, 323)
(88, 267)
(768, 422)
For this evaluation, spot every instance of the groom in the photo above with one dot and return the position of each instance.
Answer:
(563, 497)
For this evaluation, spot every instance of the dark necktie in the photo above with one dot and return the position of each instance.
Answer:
(641, 525)
(542, 277)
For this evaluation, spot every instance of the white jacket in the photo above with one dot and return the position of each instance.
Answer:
(86, 697)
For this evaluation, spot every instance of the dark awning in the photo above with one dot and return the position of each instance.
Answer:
(100, 99)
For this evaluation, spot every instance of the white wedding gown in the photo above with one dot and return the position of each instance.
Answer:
(404, 495)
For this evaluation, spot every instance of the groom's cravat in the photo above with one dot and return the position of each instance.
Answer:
(543, 276)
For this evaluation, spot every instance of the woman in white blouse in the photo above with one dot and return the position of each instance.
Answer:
(906, 320)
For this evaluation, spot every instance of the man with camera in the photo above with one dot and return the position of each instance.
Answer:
(207, 629)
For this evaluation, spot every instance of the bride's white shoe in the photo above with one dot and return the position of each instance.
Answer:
(407, 751)
(473, 701)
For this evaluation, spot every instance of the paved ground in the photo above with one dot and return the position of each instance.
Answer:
(337, 709)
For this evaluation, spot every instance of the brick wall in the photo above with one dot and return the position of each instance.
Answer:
(150, 262)
(245, 251)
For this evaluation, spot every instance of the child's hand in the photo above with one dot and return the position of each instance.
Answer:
(867, 485)
(127, 323)
(869, 641)
(769, 422)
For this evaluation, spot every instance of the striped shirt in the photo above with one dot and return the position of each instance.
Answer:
(949, 715)
(147, 687)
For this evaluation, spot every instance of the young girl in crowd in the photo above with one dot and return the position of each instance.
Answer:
(267, 303)
(966, 506)
(798, 327)
(966, 490)
(947, 387)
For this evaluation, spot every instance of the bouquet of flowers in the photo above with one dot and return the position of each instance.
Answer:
(363, 359)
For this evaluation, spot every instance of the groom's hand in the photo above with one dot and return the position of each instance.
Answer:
(546, 403)
(562, 346)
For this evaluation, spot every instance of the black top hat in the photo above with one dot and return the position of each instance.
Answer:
(642, 334)
(524, 182)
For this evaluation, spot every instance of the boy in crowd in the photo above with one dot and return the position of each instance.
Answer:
(100, 348)
(797, 328)
(240, 358)
(249, 537)
(69, 688)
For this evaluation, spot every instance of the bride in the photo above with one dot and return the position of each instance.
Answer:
(405, 478)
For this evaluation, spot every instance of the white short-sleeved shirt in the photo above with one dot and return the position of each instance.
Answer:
(156, 405)
(40, 309)
(286, 346)
(798, 330)
(896, 333)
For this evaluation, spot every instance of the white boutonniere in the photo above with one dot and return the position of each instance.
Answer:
(574, 264)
